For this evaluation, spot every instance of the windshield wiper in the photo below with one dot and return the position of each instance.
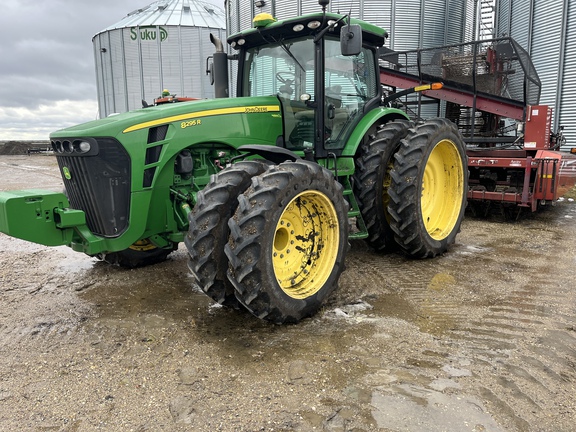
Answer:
(284, 47)
(287, 50)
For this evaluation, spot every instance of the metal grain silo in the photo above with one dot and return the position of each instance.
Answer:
(547, 30)
(160, 46)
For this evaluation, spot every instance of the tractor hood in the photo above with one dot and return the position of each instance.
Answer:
(182, 115)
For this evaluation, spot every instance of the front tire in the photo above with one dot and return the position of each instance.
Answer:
(208, 229)
(429, 188)
(288, 241)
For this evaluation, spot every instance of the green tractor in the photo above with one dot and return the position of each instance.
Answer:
(267, 188)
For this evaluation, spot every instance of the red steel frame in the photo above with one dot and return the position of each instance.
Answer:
(484, 102)
(545, 163)
(538, 163)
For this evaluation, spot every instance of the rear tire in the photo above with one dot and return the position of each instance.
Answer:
(288, 241)
(429, 188)
(372, 180)
(208, 230)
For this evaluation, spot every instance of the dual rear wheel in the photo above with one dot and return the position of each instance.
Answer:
(429, 189)
(411, 185)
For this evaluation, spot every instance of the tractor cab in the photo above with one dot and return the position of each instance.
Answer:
(322, 68)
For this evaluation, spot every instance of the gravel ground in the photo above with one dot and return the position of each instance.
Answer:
(480, 339)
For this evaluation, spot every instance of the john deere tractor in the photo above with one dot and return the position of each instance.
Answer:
(267, 188)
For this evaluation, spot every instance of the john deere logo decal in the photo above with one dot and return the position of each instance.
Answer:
(66, 173)
(149, 33)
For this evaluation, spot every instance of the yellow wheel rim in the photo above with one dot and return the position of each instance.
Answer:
(442, 190)
(305, 244)
(142, 245)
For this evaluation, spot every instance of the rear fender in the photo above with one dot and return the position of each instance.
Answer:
(376, 116)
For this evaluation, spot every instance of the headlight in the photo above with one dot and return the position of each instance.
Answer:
(83, 146)
(75, 147)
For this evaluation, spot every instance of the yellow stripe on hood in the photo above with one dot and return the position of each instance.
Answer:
(253, 109)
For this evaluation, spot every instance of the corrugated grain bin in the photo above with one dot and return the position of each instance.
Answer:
(160, 46)
(547, 30)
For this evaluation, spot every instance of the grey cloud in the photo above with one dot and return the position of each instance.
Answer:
(46, 56)
(47, 51)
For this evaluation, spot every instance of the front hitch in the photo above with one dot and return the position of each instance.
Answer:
(39, 216)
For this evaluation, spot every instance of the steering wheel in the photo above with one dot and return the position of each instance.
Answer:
(282, 76)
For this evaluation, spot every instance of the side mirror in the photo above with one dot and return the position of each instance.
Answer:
(210, 69)
(351, 40)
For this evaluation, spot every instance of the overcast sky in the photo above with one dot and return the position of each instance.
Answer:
(47, 72)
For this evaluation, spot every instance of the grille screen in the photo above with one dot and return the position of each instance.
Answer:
(100, 186)
(157, 133)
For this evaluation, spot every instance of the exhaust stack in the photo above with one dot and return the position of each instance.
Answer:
(219, 69)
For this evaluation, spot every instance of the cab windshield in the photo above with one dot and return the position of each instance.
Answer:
(287, 70)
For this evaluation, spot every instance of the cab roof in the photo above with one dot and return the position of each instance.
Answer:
(284, 29)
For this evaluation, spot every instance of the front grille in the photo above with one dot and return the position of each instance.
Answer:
(98, 183)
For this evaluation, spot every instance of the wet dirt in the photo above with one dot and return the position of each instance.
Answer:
(480, 339)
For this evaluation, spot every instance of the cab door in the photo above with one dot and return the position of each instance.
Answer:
(350, 87)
